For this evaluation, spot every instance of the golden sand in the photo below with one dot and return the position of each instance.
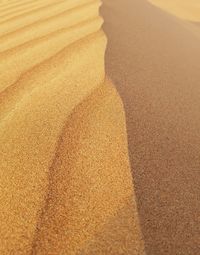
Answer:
(99, 187)
(65, 180)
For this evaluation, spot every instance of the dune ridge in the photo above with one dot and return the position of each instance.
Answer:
(101, 203)
(38, 135)
(65, 180)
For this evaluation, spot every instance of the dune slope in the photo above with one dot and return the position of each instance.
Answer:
(65, 180)
(185, 9)
(95, 212)
(154, 62)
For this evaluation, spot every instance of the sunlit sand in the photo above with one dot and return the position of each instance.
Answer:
(99, 127)
(65, 179)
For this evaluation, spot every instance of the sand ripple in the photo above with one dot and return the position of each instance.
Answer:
(65, 181)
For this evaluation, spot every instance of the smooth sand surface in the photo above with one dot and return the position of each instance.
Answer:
(154, 62)
(65, 180)
(185, 9)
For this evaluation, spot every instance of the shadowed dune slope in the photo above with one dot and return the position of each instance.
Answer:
(154, 62)
(65, 180)
(185, 9)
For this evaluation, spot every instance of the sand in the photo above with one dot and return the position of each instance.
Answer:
(99, 128)
(184, 9)
(153, 60)
(65, 179)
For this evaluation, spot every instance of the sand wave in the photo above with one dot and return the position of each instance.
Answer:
(65, 180)
(36, 15)
(10, 13)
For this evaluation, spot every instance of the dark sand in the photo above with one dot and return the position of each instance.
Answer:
(154, 62)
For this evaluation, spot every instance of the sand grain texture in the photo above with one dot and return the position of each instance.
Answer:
(184, 9)
(65, 180)
(154, 62)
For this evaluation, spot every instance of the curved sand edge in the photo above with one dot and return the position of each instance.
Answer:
(64, 169)
(96, 212)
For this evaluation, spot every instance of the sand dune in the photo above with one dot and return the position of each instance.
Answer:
(66, 185)
(65, 180)
(88, 203)
(154, 62)
(40, 137)
(185, 9)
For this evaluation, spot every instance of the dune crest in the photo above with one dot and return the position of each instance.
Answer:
(65, 180)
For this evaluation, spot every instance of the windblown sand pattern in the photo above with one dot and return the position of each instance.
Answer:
(66, 184)
(65, 180)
